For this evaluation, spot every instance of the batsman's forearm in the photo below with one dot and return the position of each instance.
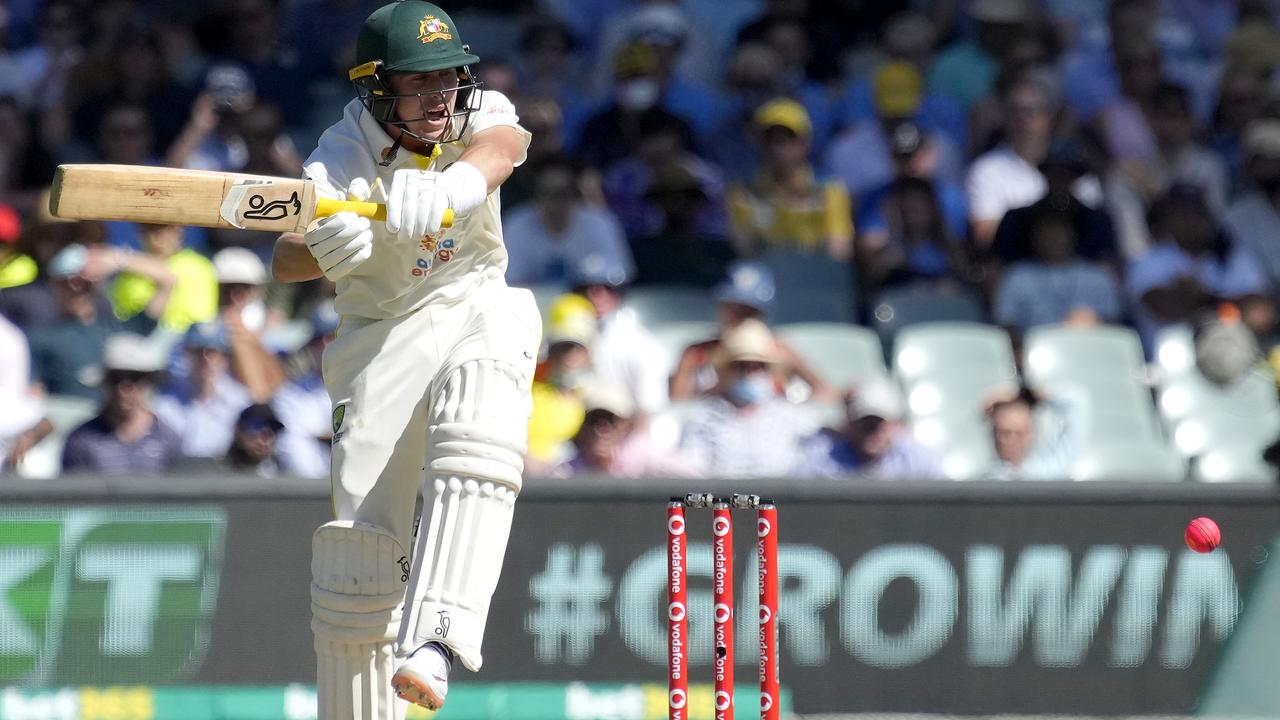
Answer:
(494, 153)
(291, 261)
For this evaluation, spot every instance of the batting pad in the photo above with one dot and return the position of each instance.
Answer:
(478, 429)
(358, 578)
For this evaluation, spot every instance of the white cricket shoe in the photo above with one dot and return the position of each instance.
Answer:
(423, 677)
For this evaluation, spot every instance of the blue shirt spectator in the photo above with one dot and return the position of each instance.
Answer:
(204, 407)
(873, 443)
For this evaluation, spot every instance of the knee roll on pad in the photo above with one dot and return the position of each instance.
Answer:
(479, 423)
(358, 577)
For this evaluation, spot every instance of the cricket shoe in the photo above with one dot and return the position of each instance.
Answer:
(423, 677)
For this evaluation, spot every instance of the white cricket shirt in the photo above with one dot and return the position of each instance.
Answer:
(401, 277)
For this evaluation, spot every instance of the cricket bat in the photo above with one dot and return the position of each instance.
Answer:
(172, 196)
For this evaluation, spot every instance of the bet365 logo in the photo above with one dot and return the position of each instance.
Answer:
(106, 595)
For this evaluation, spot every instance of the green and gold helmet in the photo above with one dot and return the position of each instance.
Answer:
(413, 36)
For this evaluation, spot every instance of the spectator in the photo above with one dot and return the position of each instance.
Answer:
(303, 403)
(125, 438)
(746, 294)
(37, 75)
(544, 119)
(1192, 266)
(26, 165)
(752, 78)
(557, 389)
(862, 156)
(211, 139)
(1239, 103)
(548, 68)
(624, 353)
(202, 407)
(1064, 165)
(195, 290)
(242, 310)
(915, 244)
(1006, 177)
(254, 446)
(23, 424)
(611, 442)
(1254, 218)
(626, 183)
(1056, 285)
(680, 252)
(16, 267)
(614, 132)
(1123, 123)
(744, 428)
(1028, 448)
(872, 443)
(126, 137)
(966, 69)
(546, 237)
(914, 156)
(67, 354)
(787, 206)
(35, 304)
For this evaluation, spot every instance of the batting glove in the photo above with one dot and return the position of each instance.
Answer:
(340, 243)
(416, 204)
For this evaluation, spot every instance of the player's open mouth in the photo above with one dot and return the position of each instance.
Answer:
(437, 115)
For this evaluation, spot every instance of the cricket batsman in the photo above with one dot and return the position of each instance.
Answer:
(430, 373)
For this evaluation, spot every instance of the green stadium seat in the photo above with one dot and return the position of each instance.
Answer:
(948, 348)
(1082, 354)
(654, 304)
(1234, 463)
(898, 308)
(1150, 462)
(841, 353)
(674, 337)
(44, 461)
(811, 287)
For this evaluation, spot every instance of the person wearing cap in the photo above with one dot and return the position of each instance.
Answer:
(195, 289)
(787, 207)
(1194, 265)
(126, 437)
(611, 442)
(303, 403)
(67, 353)
(745, 428)
(625, 353)
(870, 153)
(254, 445)
(873, 442)
(431, 373)
(545, 237)
(1254, 217)
(562, 377)
(746, 293)
(616, 130)
(202, 407)
(243, 312)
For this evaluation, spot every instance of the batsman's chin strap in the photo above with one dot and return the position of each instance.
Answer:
(389, 153)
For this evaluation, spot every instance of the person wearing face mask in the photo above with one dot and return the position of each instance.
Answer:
(873, 443)
(243, 311)
(745, 428)
(615, 131)
(559, 383)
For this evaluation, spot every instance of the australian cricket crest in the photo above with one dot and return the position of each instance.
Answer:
(339, 414)
(432, 28)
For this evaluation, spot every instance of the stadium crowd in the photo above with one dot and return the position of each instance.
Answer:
(1081, 164)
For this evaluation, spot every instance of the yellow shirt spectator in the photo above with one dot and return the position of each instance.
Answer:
(195, 290)
(17, 269)
(786, 207)
(556, 417)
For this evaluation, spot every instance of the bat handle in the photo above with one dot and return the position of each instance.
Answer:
(373, 211)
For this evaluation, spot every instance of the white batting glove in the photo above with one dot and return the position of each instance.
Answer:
(340, 243)
(416, 204)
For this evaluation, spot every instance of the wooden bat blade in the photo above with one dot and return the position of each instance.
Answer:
(135, 193)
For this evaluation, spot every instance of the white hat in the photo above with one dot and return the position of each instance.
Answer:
(132, 353)
(748, 341)
(239, 265)
(608, 397)
(877, 398)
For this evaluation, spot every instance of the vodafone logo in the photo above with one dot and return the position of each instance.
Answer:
(723, 700)
(766, 702)
(723, 613)
(763, 527)
(675, 611)
(675, 525)
(765, 614)
(721, 526)
(677, 699)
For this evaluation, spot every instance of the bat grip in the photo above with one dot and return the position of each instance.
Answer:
(374, 211)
